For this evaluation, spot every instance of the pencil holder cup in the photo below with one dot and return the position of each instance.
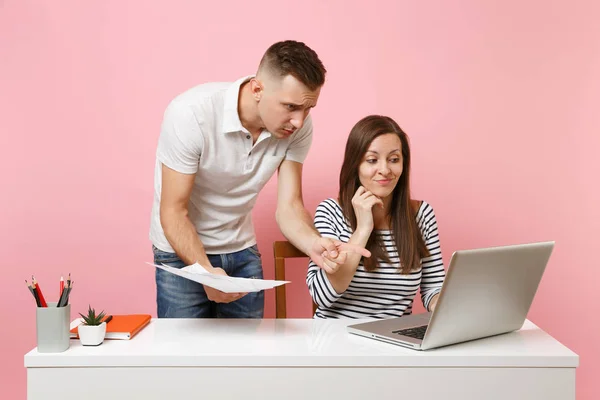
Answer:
(52, 328)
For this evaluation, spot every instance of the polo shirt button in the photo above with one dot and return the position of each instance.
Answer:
(247, 136)
(250, 153)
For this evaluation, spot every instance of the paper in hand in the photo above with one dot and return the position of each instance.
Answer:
(226, 284)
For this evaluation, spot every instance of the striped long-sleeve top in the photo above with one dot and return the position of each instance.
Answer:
(384, 292)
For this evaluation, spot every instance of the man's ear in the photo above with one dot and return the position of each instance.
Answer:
(256, 87)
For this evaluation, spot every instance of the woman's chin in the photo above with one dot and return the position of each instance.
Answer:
(381, 193)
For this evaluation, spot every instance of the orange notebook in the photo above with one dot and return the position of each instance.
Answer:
(121, 326)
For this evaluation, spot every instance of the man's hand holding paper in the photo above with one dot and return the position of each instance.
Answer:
(231, 288)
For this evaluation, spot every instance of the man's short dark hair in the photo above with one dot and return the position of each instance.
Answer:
(297, 59)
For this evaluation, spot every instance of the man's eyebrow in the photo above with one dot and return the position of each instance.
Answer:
(298, 105)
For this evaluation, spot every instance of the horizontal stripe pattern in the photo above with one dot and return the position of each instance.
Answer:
(385, 292)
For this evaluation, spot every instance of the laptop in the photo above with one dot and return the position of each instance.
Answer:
(486, 292)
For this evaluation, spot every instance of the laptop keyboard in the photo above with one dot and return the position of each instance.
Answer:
(417, 333)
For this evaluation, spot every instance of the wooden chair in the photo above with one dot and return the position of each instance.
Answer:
(281, 251)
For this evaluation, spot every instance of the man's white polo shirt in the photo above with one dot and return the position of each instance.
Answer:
(201, 134)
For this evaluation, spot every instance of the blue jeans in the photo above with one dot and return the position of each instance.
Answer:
(177, 297)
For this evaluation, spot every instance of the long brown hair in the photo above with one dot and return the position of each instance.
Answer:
(405, 231)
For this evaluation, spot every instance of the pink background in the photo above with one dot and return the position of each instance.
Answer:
(500, 98)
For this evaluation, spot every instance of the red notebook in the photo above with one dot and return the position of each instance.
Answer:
(121, 326)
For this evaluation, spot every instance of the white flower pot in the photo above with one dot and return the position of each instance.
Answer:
(91, 335)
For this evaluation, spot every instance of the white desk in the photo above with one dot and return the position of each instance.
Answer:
(299, 359)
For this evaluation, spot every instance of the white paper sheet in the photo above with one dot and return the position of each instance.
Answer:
(226, 284)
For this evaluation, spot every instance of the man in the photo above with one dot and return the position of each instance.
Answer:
(219, 144)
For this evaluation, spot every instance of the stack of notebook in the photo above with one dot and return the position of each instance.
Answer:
(119, 327)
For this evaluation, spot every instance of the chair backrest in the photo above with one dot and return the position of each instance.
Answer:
(281, 251)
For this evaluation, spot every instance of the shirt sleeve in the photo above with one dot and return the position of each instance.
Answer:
(300, 142)
(321, 290)
(181, 141)
(433, 266)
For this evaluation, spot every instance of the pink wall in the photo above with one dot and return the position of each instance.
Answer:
(500, 100)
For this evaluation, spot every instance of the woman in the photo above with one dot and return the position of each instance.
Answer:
(375, 210)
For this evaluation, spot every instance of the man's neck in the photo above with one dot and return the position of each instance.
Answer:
(248, 111)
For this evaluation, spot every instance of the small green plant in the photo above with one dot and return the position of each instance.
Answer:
(91, 318)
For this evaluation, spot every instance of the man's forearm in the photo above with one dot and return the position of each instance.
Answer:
(340, 280)
(182, 236)
(297, 226)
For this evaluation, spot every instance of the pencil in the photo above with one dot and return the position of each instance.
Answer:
(39, 292)
(36, 295)
(64, 299)
(61, 299)
(69, 292)
(28, 286)
(32, 292)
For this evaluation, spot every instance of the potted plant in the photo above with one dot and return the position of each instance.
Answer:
(92, 330)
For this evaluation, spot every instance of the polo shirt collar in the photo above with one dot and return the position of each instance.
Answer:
(231, 118)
